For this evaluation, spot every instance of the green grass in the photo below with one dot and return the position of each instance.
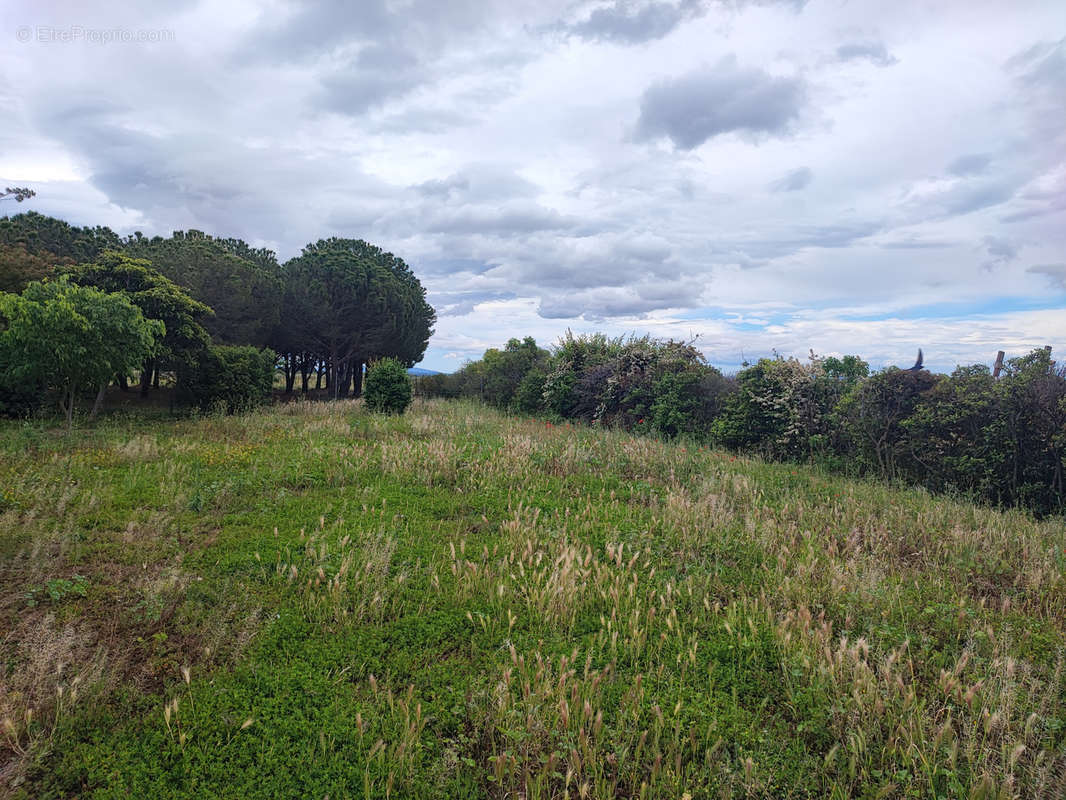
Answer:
(311, 601)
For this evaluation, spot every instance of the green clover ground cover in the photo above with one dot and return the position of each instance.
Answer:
(313, 601)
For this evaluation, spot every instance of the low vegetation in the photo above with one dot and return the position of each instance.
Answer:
(999, 440)
(314, 601)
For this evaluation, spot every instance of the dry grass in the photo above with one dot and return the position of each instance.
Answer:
(481, 606)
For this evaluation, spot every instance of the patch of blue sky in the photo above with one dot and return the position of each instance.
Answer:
(988, 307)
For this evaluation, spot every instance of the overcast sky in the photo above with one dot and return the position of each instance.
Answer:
(852, 177)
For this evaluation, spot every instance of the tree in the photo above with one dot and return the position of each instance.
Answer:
(388, 387)
(159, 298)
(19, 193)
(73, 338)
(348, 303)
(241, 284)
(55, 239)
(233, 378)
(503, 371)
(870, 420)
(19, 267)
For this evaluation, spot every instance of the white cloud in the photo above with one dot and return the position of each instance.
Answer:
(622, 165)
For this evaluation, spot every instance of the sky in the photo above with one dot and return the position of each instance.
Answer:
(757, 175)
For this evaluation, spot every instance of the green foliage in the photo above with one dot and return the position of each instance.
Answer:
(57, 590)
(660, 386)
(313, 600)
(55, 239)
(529, 396)
(870, 420)
(227, 377)
(72, 338)
(782, 408)
(388, 387)
(158, 298)
(240, 283)
(576, 373)
(19, 267)
(347, 303)
(956, 433)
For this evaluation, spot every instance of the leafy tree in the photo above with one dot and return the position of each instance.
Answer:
(241, 284)
(159, 298)
(350, 302)
(666, 384)
(503, 371)
(19, 267)
(871, 417)
(957, 434)
(1033, 395)
(73, 338)
(234, 378)
(388, 387)
(783, 407)
(572, 361)
(53, 238)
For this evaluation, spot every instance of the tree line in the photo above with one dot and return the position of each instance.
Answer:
(215, 314)
(1000, 440)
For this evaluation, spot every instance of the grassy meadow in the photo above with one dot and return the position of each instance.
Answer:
(313, 602)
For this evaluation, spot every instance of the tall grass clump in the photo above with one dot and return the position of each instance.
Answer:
(316, 600)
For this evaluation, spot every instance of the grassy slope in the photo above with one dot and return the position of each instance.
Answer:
(312, 602)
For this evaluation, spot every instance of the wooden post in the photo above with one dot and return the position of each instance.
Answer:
(999, 364)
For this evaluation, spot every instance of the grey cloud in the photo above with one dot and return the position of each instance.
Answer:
(422, 120)
(508, 220)
(726, 98)
(181, 179)
(1056, 273)
(635, 300)
(479, 183)
(967, 199)
(972, 164)
(1042, 65)
(314, 28)
(873, 52)
(1040, 81)
(910, 243)
(962, 197)
(793, 180)
(457, 304)
(777, 244)
(631, 22)
(378, 74)
(1000, 252)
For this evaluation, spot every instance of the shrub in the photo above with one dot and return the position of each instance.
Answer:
(236, 378)
(782, 407)
(388, 387)
(957, 434)
(870, 420)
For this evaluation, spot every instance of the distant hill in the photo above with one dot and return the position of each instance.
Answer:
(420, 371)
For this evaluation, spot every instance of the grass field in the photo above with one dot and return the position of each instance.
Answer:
(312, 602)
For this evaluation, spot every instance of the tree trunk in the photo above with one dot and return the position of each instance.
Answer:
(346, 383)
(290, 377)
(70, 408)
(98, 404)
(305, 370)
(290, 372)
(146, 376)
(155, 379)
(124, 382)
(358, 379)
